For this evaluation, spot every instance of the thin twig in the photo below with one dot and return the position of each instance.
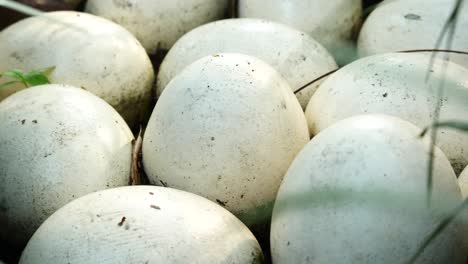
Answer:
(135, 178)
(435, 50)
(315, 80)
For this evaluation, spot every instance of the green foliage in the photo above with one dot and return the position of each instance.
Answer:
(32, 78)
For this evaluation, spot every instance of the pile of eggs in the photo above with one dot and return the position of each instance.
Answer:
(259, 148)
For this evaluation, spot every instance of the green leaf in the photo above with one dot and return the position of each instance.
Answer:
(15, 74)
(35, 78)
(8, 83)
(41, 77)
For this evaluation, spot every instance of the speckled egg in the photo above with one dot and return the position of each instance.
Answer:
(142, 224)
(57, 143)
(87, 52)
(357, 193)
(157, 24)
(407, 25)
(333, 23)
(294, 54)
(394, 84)
(226, 128)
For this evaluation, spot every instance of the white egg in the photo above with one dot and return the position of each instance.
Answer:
(294, 54)
(142, 224)
(394, 84)
(158, 23)
(407, 25)
(333, 23)
(86, 51)
(357, 194)
(57, 143)
(226, 128)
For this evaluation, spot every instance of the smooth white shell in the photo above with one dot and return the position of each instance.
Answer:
(357, 194)
(405, 25)
(294, 54)
(158, 23)
(88, 52)
(227, 128)
(394, 84)
(142, 224)
(57, 143)
(333, 23)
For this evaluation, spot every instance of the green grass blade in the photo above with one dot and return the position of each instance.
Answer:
(35, 78)
(8, 83)
(449, 30)
(32, 78)
(17, 75)
(459, 125)
(439, 229)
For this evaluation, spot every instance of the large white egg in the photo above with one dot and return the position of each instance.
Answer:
(158, 23)
(357, 194)
(56, 143)
(394, 84)
(294, 54)
(406, 25)
(88, 52)
(226, 128)
(333, 23)
(142, 224)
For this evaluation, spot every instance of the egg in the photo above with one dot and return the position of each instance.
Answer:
(158, 23)
(142, 224)
(226, 128)
(411, 25)
(294, 54)
(57, 143)
(394, 84)
(357, 193)
(86, 51)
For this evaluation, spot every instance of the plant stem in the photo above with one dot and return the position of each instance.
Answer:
(449, 27)
(22, 8)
